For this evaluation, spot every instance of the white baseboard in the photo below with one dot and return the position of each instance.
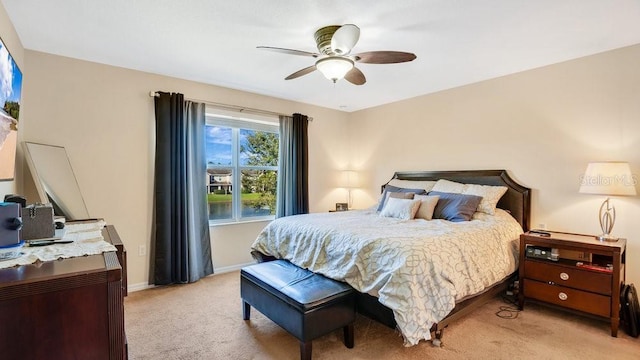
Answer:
(226, 269)
(139, 286)
(220, 270)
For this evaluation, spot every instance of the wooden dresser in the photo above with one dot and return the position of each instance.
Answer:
(585, 274)
(65, 309)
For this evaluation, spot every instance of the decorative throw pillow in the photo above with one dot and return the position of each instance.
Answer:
(490, 196)
(404, 209)
(401, 195)
(455, 207)
(394, 189)
(453, 187)
(397, 195)
(413, 184)
(427, 205)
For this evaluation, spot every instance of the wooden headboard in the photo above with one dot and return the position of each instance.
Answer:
(517, 199)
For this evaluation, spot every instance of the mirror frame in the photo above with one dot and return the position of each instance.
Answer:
(59, 205)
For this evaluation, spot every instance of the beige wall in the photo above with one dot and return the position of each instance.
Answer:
(12, 42)
(542, 125)
(104, 117)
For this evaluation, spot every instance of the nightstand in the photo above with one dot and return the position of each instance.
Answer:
(574, 271)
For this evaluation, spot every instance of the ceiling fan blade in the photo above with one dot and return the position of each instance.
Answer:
(289, 51)
(302, 72)
(344, 39)
(355, 76)
(384, 57)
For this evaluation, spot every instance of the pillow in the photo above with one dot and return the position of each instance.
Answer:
(394, 189)
(455, 207)
(397, 195)
(490, 196)
(401, 195)
(427, 205)
(404, 209)
(443, 185)
(412, 184)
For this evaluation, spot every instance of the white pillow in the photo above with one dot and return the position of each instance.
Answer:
(404, 209)
(490, 196)
(427, 205)
(412, 184)
(399, 195)
(443, 185)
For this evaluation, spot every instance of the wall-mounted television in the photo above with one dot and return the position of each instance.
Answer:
(10, 92)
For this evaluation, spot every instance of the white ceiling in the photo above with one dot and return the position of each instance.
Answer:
(457, 42)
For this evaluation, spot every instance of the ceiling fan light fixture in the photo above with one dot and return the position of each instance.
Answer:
(344, 39)
(334, 68)
(333, 59)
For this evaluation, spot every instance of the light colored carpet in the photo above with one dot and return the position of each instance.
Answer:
(203, 320)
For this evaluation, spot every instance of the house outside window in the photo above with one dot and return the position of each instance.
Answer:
(242, 168)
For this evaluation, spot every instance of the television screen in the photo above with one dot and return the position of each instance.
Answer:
(10, 91)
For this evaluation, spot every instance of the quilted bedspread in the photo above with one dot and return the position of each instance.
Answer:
(417, 268)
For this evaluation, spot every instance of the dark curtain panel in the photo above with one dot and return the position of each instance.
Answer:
(293, 169)
(182, 248)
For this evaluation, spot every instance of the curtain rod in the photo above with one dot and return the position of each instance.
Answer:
(234, 107)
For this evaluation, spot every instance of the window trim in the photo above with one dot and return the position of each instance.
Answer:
(259, 123)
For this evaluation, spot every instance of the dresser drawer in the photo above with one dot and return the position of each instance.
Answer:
(568, 297)
(570, 277)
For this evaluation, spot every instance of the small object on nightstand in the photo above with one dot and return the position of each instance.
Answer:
(342, 206)
(540, 232)
(604, 269)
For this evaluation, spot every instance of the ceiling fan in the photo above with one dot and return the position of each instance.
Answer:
(335, 60)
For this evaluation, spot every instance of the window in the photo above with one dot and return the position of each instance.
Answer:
(242, 168)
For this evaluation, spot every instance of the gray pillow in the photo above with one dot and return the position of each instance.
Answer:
(391, 189)
(455, 207)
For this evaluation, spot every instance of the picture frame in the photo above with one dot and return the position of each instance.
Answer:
(10, 94)
(342, 206)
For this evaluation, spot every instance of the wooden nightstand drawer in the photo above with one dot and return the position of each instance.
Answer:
(567, 276)
(567, 297)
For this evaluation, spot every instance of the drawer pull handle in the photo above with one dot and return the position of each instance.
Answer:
(564, 276)
(563, 296)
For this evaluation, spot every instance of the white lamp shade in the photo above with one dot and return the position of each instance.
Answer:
(350, 179)
(608, 178)
(334, 67)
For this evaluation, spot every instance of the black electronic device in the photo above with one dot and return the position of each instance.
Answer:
(540, 233)
(541, 252)
(13, 198)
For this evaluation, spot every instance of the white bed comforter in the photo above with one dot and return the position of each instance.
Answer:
(417, 268)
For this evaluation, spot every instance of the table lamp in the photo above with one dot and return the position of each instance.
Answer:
(608, 178)
(349, 181)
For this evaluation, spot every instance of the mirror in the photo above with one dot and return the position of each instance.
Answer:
(54, 180)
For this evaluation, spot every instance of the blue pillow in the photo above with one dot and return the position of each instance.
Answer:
(455, 207)
(391, 188)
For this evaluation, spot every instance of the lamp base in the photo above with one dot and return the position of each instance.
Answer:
(607, 237)
(607, 219)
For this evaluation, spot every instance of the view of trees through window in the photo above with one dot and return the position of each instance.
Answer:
(244, 159)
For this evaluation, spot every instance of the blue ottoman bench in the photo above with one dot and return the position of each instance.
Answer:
(306, 304)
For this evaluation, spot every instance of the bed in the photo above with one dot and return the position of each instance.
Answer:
(402, 268)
